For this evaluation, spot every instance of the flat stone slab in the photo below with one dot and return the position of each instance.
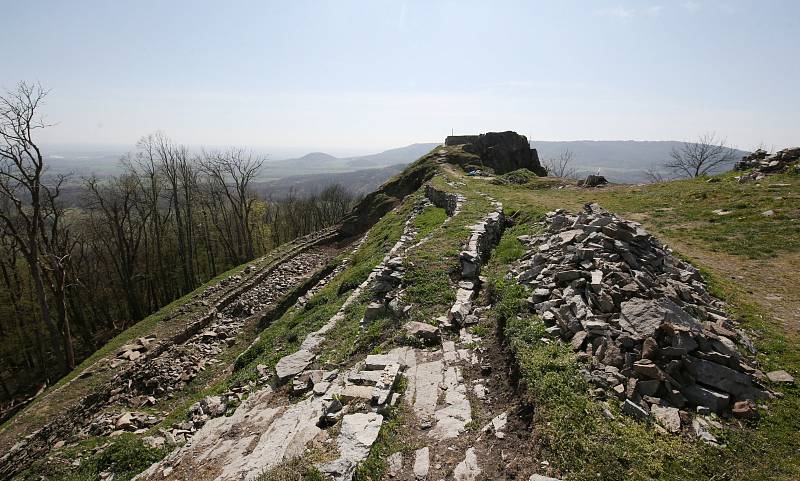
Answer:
(351, 392)
(424, 332)
(644, 316)
(422, 463)
(395, 464)
(452, 419)
(293, 364)
(377, 362)
(427, 379)
(359, 432)
(255, 438)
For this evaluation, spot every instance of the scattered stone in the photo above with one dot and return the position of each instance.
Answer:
(668, 417)
(634, 410)
(395, 464)
(539, 477)
(422, 331)
(293, 364)
(745, 409)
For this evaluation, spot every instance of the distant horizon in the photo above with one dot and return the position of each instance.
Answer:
(287, 154)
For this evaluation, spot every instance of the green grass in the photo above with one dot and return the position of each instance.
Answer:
(683, 209)
(428, 220)
(126, 456)
(297, 469)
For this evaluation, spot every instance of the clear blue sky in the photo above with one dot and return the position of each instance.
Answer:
(356, 76)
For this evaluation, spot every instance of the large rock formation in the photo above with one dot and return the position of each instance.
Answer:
(502, 151)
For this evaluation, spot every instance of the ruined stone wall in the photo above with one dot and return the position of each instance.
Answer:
(501, 151)
(445, 200)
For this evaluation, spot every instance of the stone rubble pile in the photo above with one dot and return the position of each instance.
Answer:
(133, 350)
(761, 163)
(114, 424)
(654, 337)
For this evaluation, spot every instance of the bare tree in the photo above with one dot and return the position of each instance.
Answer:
(230, 173)
(561, 166)
(693, 159)
(119, 222)
(653, 175)
(21, 169)
(58, 243)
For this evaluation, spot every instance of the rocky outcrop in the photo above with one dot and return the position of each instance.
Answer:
(643, 319)
(760, 163)
(501, 151)
(593, 181)
(375, 205)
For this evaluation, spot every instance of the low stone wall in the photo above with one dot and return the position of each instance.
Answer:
(445, 200)
(483, 237)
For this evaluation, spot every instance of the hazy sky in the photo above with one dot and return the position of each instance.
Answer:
(347, 76)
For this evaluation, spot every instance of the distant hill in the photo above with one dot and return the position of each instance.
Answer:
(318, 162)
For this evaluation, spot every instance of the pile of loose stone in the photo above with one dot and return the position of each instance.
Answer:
(643, 319)
(761, 163)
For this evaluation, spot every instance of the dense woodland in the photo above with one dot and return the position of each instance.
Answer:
(77, 269)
